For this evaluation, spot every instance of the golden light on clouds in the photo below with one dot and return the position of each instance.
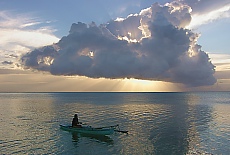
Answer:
(222, 61)
(146, 85)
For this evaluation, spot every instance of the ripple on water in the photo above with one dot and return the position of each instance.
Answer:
(164, 123)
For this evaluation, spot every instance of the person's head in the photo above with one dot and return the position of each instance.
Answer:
(75, 116)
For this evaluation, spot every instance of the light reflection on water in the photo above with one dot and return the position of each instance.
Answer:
(158, 123)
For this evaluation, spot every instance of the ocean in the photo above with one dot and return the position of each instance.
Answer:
(158, 123)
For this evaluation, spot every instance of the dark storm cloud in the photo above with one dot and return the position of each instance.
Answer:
(151, 45)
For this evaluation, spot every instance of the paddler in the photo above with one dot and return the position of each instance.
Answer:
(75, 122)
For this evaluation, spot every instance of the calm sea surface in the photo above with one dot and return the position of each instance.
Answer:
(158, 123)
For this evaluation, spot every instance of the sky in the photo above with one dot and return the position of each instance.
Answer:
(116, 45)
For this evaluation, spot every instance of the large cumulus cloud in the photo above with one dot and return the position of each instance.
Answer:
(151, 45)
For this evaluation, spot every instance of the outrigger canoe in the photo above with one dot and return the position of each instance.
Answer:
(90, 130)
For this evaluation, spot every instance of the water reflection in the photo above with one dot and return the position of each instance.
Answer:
(97, 138)
(24, 128)
(181, 131)
(158, 123)
(166, 124)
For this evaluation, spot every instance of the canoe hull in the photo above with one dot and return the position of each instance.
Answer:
(88, 130)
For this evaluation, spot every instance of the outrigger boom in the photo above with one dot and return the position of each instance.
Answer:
(114, 126)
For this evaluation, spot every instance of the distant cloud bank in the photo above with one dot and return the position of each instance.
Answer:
(151, 45)
(20, 33)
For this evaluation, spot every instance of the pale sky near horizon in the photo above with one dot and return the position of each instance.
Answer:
(137, 45)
